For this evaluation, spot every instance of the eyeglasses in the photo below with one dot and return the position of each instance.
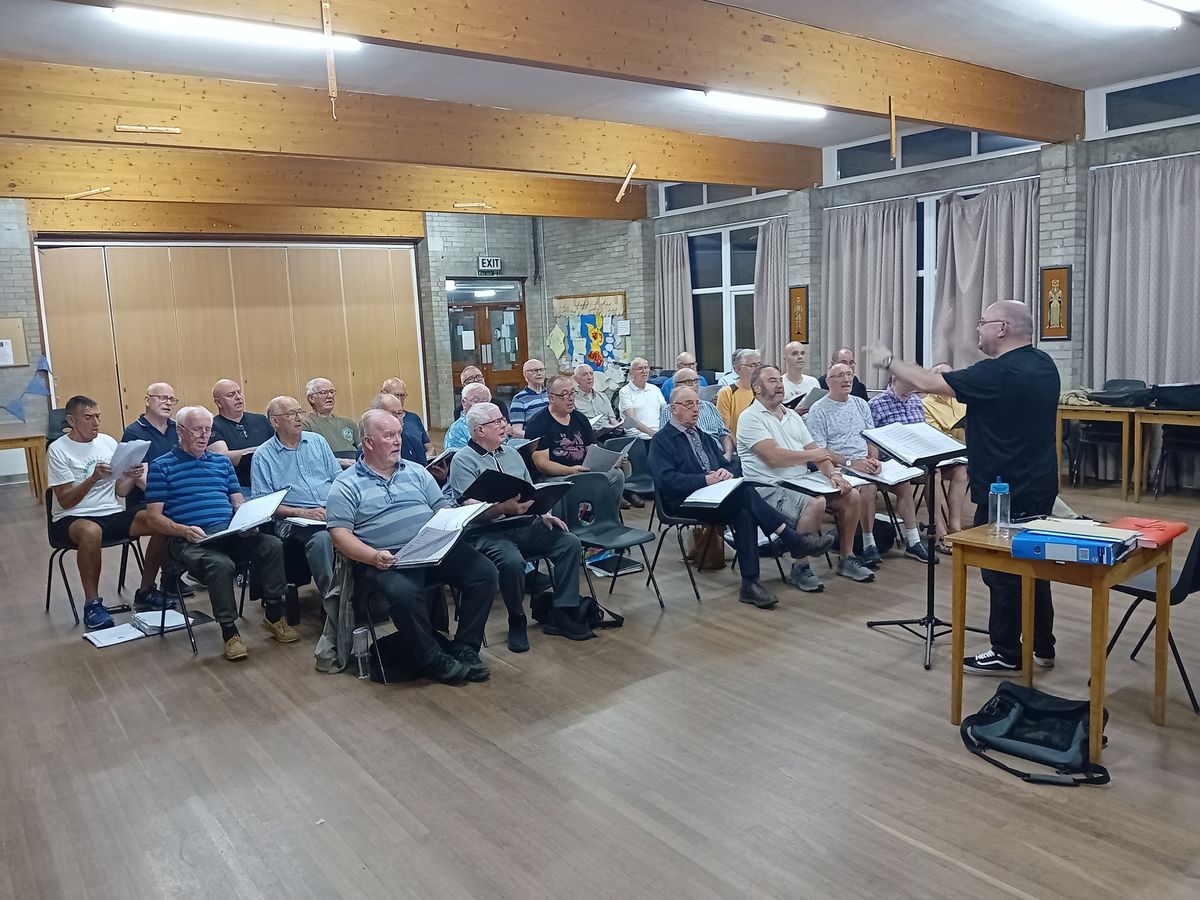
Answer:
(330, 392)
(983, 322)
(687, 404)
(291, 414)
(197, 432)
(757, 365)
(563, 395)
(639, 368)
(497, 421)
(475, 379)
(535, 371)
(686, 381)
(165, 398)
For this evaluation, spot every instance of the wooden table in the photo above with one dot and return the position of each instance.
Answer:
(14, 437)
(1122, 414)
(974, 547)
(1143, 417)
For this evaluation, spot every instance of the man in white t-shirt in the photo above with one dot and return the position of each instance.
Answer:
(795, 382)
(773, 442)
(88, 504)
(640, 403)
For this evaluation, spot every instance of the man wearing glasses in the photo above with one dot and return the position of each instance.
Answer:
(845, 357)
(508, 546)
(192, 492)
(530, 400)
(301, 463)
(472, 375)
(236, 433)
(414, 428)
(734, 399)
(565, 434)
(685, 360)
(1012, 402)
(640, 402)
(156, 426)
(709, 420)
(340, 433)
(459, 432)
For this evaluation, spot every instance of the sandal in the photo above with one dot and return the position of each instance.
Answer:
(943, 548)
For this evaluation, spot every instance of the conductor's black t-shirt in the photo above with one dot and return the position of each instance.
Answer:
(1012, 402)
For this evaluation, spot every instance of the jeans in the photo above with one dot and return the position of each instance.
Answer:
(216, 562)
(1004, 622)
(507, 549)
(463, 568)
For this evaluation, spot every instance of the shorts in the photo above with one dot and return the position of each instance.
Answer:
(114, 527)
(788, 503)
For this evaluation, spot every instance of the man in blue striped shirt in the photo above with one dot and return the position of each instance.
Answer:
(378, 505)
(530, 399)
(302, 463)
(192, 492)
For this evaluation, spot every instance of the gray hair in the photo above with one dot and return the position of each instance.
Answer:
(480, 414)
(188, 413)
(476, 392)
(313, 386)
(739, 356)
(367, 419)
(275, 403)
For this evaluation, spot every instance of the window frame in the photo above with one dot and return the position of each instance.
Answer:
(1095, 108)
(829, 160)
(727, 291)
(663, 212)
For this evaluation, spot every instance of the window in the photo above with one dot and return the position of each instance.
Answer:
(1163, 101)
(935, 146)
(722, 263)
(686, 196)
(922, 149)
(865, 159)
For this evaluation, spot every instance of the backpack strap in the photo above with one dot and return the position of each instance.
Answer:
(1092, 774)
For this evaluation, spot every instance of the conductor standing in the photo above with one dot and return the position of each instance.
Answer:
(1012, 401)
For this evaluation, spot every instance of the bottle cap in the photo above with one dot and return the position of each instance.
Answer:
(999, 487)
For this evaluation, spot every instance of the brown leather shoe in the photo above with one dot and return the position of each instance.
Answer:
(235, 648)
(281, 631)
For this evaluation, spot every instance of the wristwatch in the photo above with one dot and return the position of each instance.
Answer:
(887, 362)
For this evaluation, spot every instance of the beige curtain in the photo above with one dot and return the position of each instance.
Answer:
(674, 330)
(869, 266)
(771, 328)
(987, 251)
(1144, 271)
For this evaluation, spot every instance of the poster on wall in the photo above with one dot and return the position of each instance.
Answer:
(594, 330)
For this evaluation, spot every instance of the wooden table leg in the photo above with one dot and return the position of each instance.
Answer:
(1058, 430)
(1027, 585)
(958, 633)
(1162, 633)
(1099, 644)
(1125, 458)
(1137, 457)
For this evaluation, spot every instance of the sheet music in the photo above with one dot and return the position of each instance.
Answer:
(713, 494)
(437, 459)
(118, 634)
(819, 483)
(126, 456)
(891, 472)
(251, 513)
(909, 443)
(598, 459)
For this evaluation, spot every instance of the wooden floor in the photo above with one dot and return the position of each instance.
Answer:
(711, 750)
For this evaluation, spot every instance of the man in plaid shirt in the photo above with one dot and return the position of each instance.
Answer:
(710, 421)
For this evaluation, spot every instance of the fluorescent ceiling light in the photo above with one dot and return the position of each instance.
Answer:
(761, 106)
(450, 284)
(483, 295)
(1126, 13)
(229, 30)
(1182, 5)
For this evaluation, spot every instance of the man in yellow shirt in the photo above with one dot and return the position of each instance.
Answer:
(943, 413)
(734, 399)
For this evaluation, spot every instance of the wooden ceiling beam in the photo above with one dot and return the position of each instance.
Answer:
(133, 217)
(697, 44)
(54, 170)
(40, 100)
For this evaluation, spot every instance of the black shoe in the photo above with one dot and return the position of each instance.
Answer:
(538, 583)
(447, 670)
(539, 606)
(810, 544)
(919, 551)
(563, 623)
(758, 595)
(990, 663)
(871, 557)
(518, 634)
(477, 668)
(175, 586)
(152, 600)
(635, 501)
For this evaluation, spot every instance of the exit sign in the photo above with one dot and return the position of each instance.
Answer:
(489, 264)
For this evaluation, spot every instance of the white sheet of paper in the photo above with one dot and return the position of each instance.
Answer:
(128, 455)
(300, 520)
(251, 513)
(623, 327)
(713, 494)
(118, 634)
(468, 340)
(6, 353)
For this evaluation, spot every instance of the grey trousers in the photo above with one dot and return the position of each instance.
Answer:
(318, 550)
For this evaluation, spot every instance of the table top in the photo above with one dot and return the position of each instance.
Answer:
(17, 431)
(1127, 410)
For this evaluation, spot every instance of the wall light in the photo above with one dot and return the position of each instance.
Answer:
(761, 106)
(230, 31)
(483, 295)
(1125, 13)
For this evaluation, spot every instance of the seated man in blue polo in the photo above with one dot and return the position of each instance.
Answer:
(530, 400)
(414, 428)
(684, 459)
(301, 463)
(507, 546)
(459, 433)
(192, 492)
(156, 426)
(377, 506)
(89, 507)
(236, 434)
(411, 446)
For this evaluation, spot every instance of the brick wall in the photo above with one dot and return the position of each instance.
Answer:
(1062, 232)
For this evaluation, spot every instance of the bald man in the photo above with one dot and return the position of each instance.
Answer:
(845, 356)
(237, 433)
(1012, 404)
(414, 428)
(685, 360)
(531, 399)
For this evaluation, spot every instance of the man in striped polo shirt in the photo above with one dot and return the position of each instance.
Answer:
(377, 506)
(192, 492)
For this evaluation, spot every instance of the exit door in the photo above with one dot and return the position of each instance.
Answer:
(487, 330)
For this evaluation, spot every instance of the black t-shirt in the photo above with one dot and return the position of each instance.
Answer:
(858, 390)
(567, 443)
(1012, 403)
(252, 431)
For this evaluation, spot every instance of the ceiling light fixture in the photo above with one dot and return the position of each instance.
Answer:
(483, 295)
(229, 30)
(1125, 13)
(761, 106)
(1192, 6)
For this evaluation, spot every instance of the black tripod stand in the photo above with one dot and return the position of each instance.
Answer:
(929, 623)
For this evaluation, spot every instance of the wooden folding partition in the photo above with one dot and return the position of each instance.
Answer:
(272, 317)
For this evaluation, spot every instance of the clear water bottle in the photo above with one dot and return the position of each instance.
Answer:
(999, 512)
(359, 647)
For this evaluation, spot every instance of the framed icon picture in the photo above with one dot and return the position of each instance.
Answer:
(1056, 303)
(798, 313)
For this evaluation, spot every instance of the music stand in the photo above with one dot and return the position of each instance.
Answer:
(928, 623)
